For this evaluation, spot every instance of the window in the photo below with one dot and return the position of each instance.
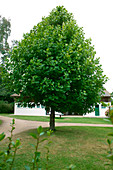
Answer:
(18, 105)
(31, 105)
(38, 105)
(42, 106)
(103, 107)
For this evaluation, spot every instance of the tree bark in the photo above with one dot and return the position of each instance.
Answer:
(52, 120)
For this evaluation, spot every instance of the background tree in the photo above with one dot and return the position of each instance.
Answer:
(5, 30)
(55, 65)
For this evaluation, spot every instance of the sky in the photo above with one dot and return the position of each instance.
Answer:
(95, 16)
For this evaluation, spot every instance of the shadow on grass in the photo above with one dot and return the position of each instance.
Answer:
(62, 131)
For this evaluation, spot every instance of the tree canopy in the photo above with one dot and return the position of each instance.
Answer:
(55, 65)
(5, 30)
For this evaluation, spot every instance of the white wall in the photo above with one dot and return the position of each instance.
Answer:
(101, 111)
(29, 111)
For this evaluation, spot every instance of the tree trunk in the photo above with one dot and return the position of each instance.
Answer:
(52, 120)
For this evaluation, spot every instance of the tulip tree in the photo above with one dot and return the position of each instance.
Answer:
(56, 66)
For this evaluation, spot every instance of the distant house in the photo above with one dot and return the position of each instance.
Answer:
(101, 107)
(39, 110)
(30, 109)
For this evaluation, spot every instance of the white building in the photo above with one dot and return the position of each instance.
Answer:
(39, 110)
(36, 110)
(100, 108)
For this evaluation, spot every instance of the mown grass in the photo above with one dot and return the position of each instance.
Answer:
(82, 146)
(0, 122)
(62, 119)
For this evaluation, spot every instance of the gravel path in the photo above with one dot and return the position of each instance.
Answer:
(23, 125)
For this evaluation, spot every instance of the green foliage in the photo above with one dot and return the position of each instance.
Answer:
(56, 66)
(6, 107)
(110, 152)
(36, 159)
(2, 136)
(7, 157)
(110, 139)
(5, 30)
(47, 149)
(4, 92)
(104, 104)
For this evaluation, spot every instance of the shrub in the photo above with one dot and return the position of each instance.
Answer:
(7, 157)
(6, 107)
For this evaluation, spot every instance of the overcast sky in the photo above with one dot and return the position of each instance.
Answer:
(95, 16)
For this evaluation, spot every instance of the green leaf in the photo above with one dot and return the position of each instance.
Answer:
(13, 143)
(2, 136)
(17, 142)
(37, 154)
(13, 128)
(42, 133)
(48, 133)
(43, 140)
(39, 129)
(108, 141)
(13, 121)
(33, 135)
(9, 138)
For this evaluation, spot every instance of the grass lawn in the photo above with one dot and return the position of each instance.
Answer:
(82, 146)
(63, 119)
(0, 122)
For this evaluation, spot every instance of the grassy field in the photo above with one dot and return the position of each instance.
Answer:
(63, 119)
(82, 146)
(0, 122)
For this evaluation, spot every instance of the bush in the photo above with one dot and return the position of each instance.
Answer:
(7, 157)
(6, 107)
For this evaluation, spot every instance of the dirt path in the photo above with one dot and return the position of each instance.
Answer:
(23, 125)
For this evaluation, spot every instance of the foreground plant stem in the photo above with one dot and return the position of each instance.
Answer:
(35, 162)
(13, 159)
(10, 138)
